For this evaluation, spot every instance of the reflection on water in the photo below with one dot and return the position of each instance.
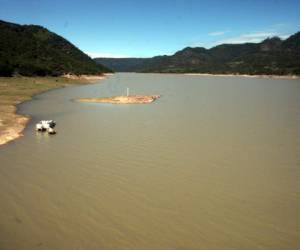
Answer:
(213, 164)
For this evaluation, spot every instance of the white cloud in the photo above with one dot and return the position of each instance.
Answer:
(254, 37)
(217, 33)
(104, 54)
(259, 35)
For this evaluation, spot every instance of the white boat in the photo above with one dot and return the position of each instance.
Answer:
(51, 131)
(46, 125)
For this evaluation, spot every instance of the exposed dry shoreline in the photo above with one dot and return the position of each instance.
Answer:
(132, 99)
(289, 77)
(87, 77)
(16, 90)
(16, 125)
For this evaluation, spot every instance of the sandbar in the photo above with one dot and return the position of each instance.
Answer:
(131, 99)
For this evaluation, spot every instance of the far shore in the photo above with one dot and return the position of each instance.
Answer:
(290, 77)
(16, 90)
(87, 77)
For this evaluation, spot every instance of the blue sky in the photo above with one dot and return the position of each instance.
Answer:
(155, 27)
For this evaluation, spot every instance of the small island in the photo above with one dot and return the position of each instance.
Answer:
(130, 99)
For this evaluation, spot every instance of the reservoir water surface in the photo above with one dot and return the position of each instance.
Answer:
(213, 164)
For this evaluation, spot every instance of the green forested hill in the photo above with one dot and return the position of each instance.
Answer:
(271, 56)
(33, 50)
(121, 64)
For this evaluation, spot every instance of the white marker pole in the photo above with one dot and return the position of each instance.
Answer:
(127, 91)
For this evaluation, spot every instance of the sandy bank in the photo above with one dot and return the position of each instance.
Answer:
(132, 99)
(290, 77)
(87, 77)
(15, 90)
(15, 128)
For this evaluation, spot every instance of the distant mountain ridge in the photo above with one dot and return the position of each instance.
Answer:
(271, 56)
(33, 50)
(121, 64)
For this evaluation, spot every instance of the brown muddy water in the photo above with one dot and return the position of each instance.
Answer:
(213, 164)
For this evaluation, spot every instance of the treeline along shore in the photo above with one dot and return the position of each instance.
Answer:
(31, 50)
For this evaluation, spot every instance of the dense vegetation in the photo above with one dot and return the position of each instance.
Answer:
(271, 56)
(32, 50)
(121, 64)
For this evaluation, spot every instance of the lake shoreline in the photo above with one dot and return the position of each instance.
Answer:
(12, 124)
(13, 132)
(289, 77)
